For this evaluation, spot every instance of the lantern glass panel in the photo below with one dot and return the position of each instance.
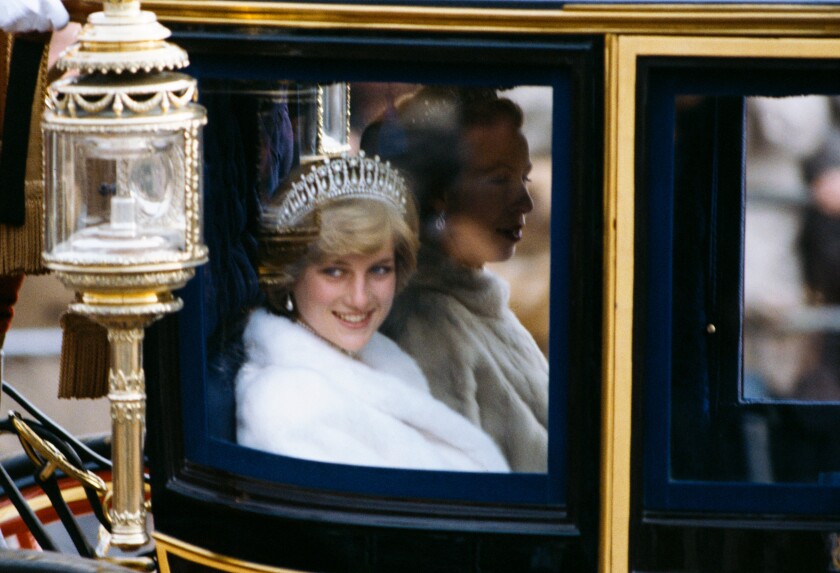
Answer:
(117, 196)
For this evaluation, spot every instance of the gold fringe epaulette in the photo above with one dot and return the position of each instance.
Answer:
(21, 246)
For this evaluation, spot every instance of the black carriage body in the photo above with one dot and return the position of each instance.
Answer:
(211, 493)
(662, 456)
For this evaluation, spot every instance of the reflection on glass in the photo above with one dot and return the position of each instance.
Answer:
(477, 163)
(781, 424)
(791, 272)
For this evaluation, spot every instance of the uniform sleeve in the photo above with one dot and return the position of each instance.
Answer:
(32, 15)
(9, 288)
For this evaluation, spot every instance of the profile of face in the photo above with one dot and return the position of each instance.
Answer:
(345, 299)
(485, 212)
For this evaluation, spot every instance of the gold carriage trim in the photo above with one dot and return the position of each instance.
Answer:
(166, 545)
(713, 18)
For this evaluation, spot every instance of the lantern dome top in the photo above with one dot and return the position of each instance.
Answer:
(122, 38)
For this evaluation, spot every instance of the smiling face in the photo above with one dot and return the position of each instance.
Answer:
(485, 213)
(345, 299)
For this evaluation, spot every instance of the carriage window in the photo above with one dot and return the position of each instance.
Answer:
(777, 343)
(792, 249)
(477, 162)
(496, 332)
(740, 366)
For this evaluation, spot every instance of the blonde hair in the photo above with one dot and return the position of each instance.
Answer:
(353, 226)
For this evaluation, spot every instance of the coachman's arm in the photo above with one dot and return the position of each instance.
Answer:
(9, 288)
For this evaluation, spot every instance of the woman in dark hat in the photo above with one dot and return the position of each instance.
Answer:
(319, 381)
(468, 164)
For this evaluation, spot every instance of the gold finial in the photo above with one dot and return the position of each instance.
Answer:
(123, 38)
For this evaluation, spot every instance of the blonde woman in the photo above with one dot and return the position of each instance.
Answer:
(319, 381)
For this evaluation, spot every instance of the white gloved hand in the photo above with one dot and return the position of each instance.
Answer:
(32, 15)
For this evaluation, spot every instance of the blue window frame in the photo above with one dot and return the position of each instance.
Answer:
(209, 441)
(202, 459)
(694, 420)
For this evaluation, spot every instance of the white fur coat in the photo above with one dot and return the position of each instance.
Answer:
(477, 356)
(298, 396)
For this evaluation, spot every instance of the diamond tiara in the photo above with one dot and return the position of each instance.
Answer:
(348, 176)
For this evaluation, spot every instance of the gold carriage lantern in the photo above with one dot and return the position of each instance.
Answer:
(122, 139)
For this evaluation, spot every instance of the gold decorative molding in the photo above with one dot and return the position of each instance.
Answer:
(45, 456)
(682, 19)
(166, 545)
(127, 336)
(160, 99)
(194, 246)
(127, 412)
(42, 502)
(104, 278)
(617, 325)
(133, 382)
(622, 54)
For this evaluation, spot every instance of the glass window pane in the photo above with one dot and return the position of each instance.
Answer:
(478, 163)
(792, 269)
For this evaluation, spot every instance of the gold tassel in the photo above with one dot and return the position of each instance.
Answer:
(84, 358)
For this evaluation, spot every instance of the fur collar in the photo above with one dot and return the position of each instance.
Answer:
(272, 340)
(299, 396)
(479, 290)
